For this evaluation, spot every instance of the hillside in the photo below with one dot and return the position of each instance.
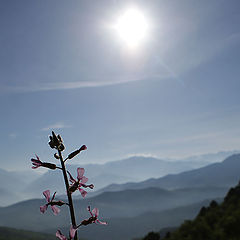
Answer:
(15, 234)
(128, 228)
(215, 222)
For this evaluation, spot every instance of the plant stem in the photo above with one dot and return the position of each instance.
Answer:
(70, 202)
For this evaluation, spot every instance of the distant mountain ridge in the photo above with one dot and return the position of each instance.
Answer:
(135, 169)
(224, 174)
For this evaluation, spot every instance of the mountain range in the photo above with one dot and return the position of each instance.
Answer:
(222, 174)
(31, 183)
(138, 204)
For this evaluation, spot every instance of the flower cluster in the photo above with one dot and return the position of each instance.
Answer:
(71, 185)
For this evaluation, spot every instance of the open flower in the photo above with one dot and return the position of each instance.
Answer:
(80, 182)
(94, 217)
(38, 163)
(51, 202)
(71, 234)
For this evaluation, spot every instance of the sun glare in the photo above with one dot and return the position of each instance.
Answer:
(131, 26)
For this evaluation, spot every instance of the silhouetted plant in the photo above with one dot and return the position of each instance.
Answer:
(152, 236)
(79, 183)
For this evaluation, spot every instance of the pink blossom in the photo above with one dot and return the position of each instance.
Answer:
(94, 213)
(80, 182)
(38, 163)
(94, 217)
(51, 202)
(60, 235)
(72, 233)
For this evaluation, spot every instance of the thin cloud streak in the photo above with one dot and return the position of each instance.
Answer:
(58, 125)
(83, 84)
(12, 135)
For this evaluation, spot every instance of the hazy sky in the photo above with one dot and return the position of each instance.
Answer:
(63, 67)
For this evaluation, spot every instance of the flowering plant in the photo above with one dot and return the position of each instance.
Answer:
(56, 142)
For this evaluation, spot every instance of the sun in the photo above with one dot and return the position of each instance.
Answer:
(132, 27)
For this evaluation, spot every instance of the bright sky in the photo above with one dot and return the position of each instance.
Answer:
(64, 67)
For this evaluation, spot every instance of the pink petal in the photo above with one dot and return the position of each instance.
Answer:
(95, 212)
(83, 192)
(60, 235)
(35, 161)
(47, 195)
(80, 172)
(55, 210)
(100, 222)
(43, 208)
(72, 231)
(34, 167)
(84, 180)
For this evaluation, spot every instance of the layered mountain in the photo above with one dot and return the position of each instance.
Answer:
(21, 185)
(13, 185)
(129, 203)
(133, 169)
(222, 174)
(130, 209)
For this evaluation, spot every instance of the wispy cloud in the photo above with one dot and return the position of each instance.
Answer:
(146, 155)
(91, 82)
(12, 135)
(58, 125)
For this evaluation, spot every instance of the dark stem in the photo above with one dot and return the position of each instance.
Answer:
(70, 202)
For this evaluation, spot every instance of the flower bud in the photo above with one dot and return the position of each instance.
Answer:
(55, 140)
(73, 154)
(61, 147)
(49, 165)
(51, 144)
(56, 156)
(59, 138)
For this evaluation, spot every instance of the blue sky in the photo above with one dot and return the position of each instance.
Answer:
(63, 68)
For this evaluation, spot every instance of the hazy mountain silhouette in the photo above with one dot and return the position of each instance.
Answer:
(223, 174)
(13, 185)
(128, 203)
(134, 207)
(30, 183)
(133, 169)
